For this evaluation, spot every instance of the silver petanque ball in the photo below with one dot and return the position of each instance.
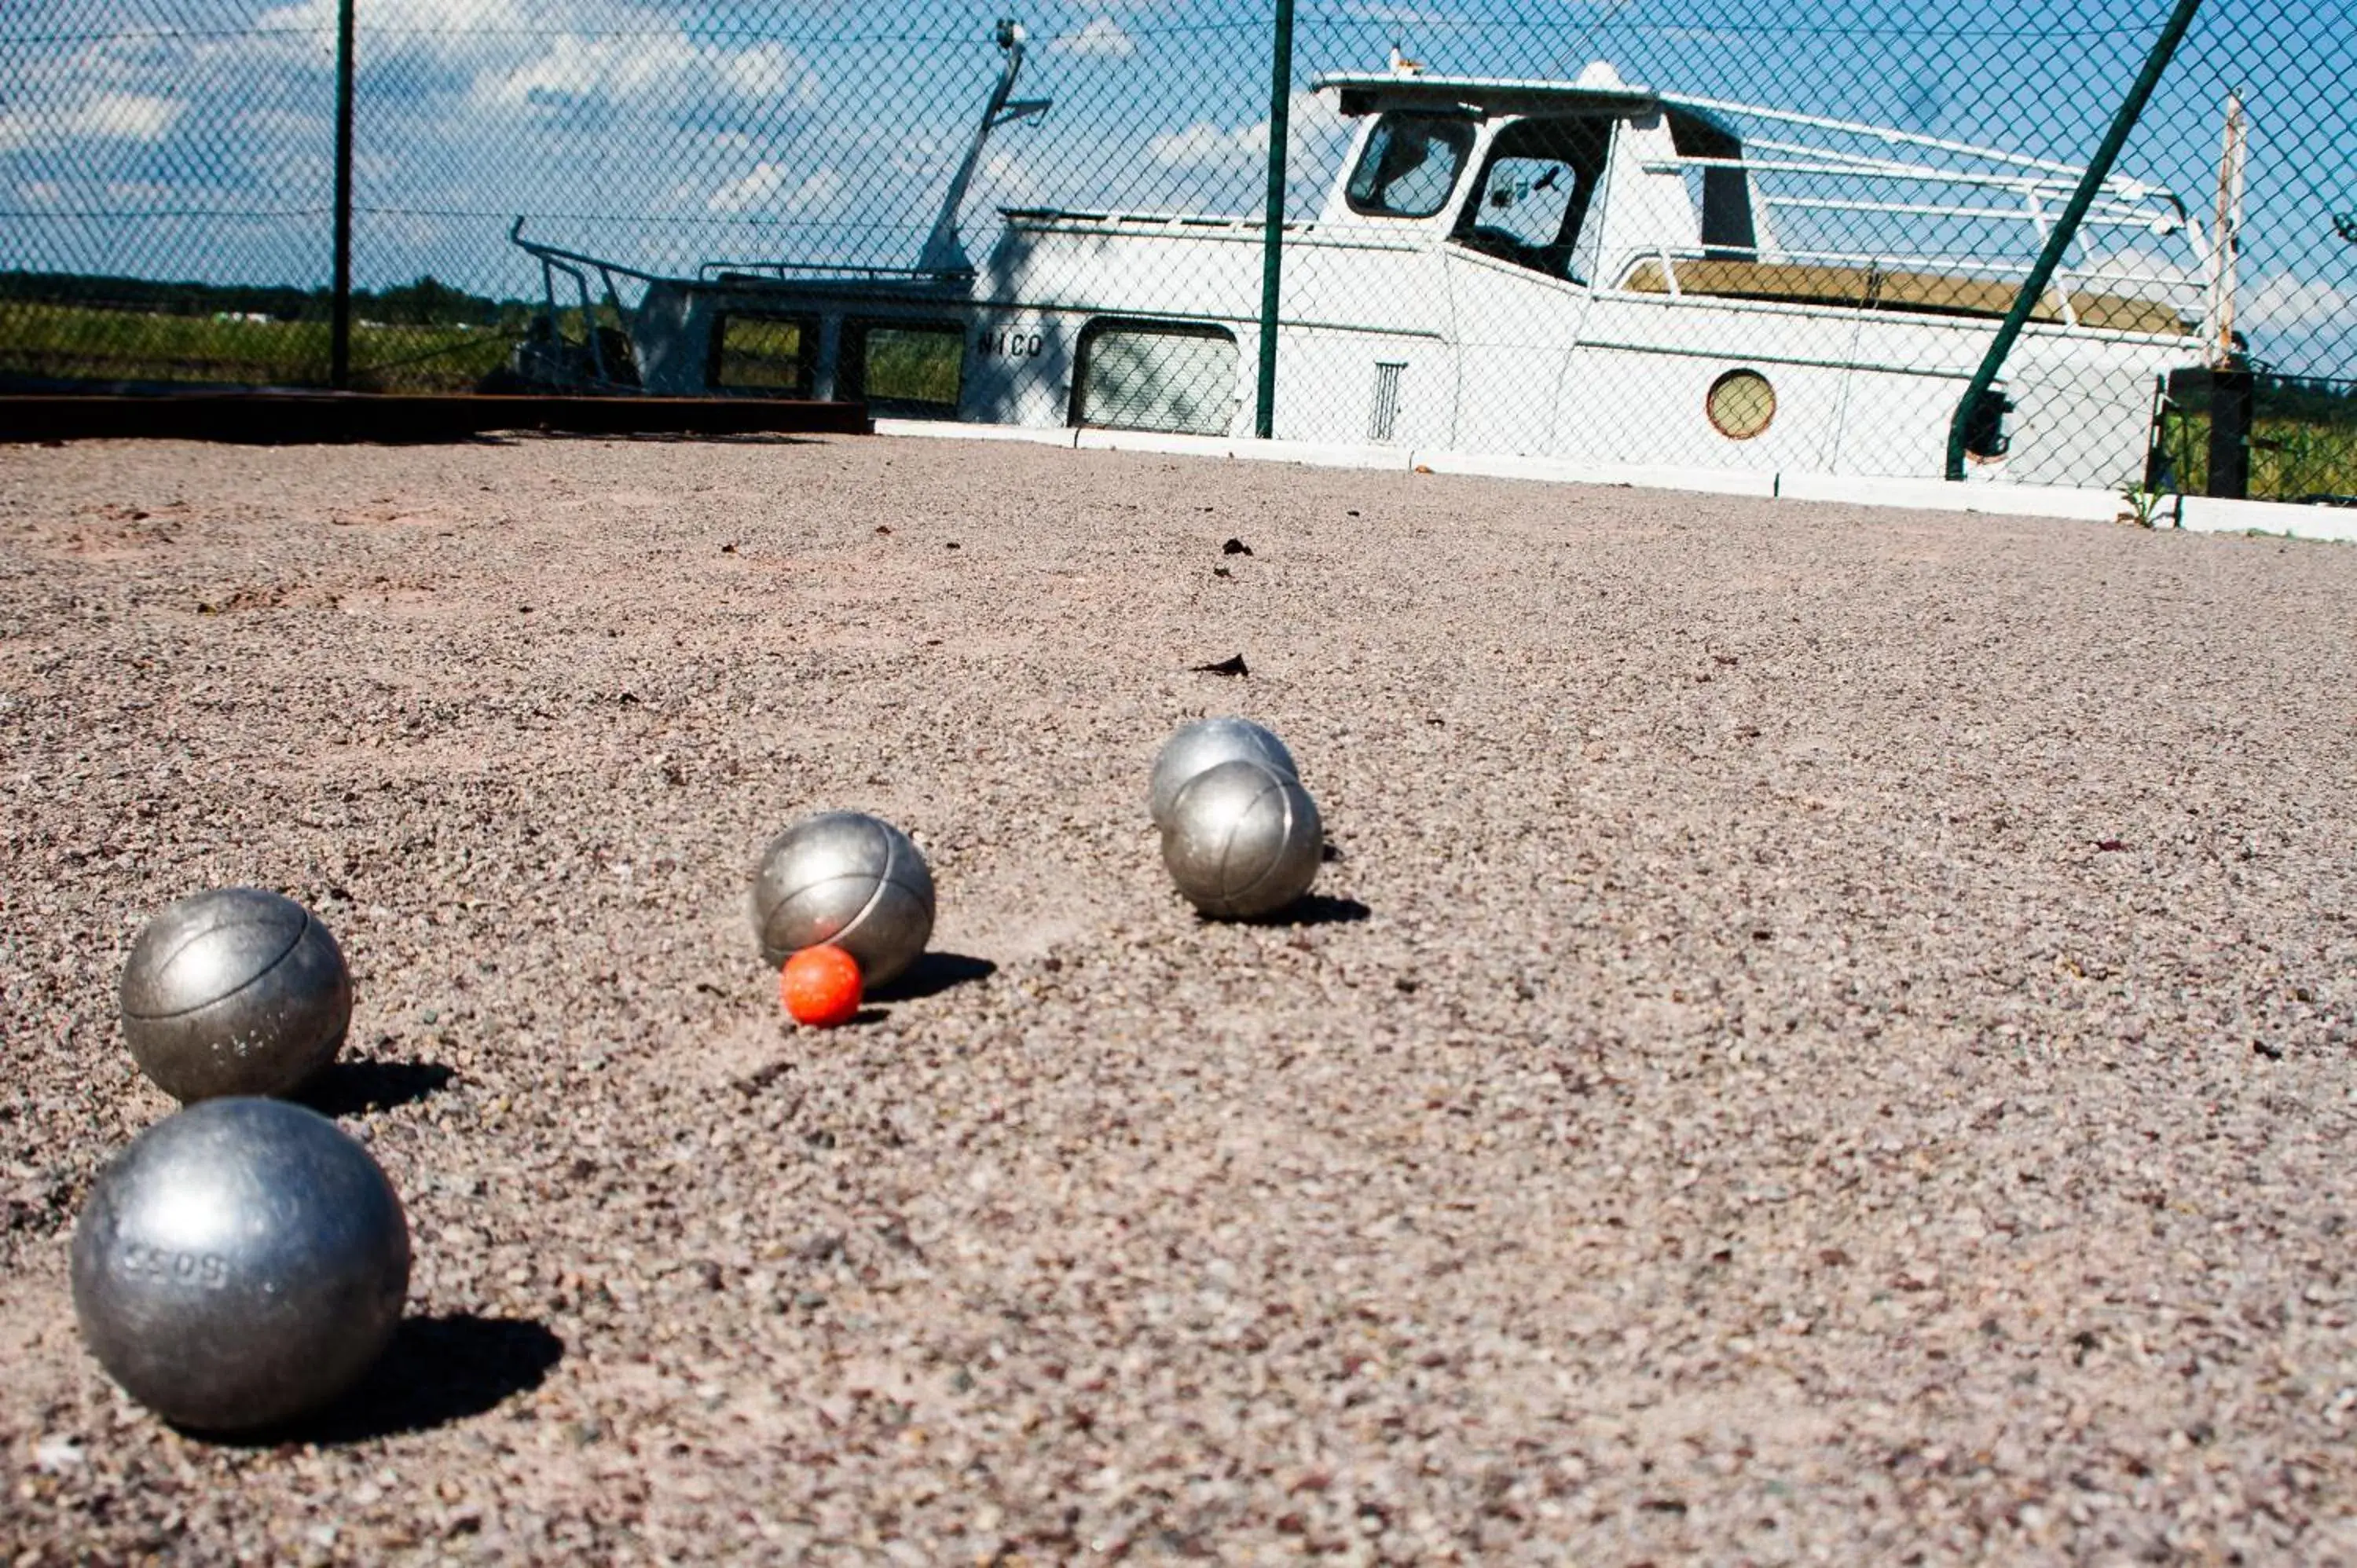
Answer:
(849, 879)
(241, 1264)
(1206, 743)
(236, 991)
(1243, 840)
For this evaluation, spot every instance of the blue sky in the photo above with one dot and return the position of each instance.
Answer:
(191, 139)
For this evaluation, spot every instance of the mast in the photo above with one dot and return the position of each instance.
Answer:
(2225, 254)
(944, 252)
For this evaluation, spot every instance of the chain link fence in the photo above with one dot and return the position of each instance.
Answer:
(1727, 236)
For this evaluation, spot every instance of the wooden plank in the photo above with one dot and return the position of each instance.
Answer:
(283, 418)
(1927, 294)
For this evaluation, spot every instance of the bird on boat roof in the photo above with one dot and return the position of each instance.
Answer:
(1402, 65)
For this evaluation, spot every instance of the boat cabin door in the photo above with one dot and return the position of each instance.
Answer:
(1521, 253)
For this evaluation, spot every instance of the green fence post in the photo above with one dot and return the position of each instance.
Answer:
(2066, 229)
(339, 349)
(1280, 103)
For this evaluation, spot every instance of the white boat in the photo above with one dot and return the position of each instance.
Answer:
(1584, 269)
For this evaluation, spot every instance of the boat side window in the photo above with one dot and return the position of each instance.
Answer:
(903, 367)
(1176, 376)
(769, 355)
(1533, 193)
(1410, 166)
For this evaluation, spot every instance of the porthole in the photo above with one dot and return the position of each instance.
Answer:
(1741, 404)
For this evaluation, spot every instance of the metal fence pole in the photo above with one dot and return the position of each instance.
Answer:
(1280, 102)
(339, 351)
(2231, 392)
(2066, 229)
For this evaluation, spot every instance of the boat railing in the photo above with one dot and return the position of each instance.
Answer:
(1889, 135)
(556, 256)
(1843, 185)
(1145, 218)
(2116, 205)
(576, 267)
(546, 252)
(721, 272)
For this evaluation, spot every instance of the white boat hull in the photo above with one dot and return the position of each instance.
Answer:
(1488, 358)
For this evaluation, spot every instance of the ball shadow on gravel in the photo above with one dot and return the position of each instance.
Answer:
(349, 1089)
(1311, 909)
(933, 973)
(436, 1370)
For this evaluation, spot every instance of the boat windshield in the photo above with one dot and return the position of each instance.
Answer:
(1410, 166)
(1534, 193)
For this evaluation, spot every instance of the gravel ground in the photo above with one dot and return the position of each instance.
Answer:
(1827, 1036)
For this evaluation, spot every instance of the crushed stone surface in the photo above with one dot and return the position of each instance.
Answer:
(1825, 1035)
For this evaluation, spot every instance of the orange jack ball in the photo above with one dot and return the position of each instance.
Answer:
(821, 986)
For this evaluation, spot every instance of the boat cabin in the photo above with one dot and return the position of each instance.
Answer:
(1513, 169)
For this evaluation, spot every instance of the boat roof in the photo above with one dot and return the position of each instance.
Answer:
(1374, 93)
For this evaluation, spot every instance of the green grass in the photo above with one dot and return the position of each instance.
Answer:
(914, 365)
(906, 365)
(761, 354)
(2291, 455)
(79, 343)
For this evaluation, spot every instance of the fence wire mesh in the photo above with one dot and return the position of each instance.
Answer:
(1696, 235)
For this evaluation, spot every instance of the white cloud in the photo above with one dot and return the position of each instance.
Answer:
(453, 31)
(284, 126)
(1403, 15)
(547, 54)
(1204, 144)
(821, 187)
(1010, 182)
(764, 73)
(445, 16)
(763, 181)
(2284, 301)
(1314, 119)
(438, 45)
(758, 188)
(109, 116)
(575, 69)
(1313, 126)
(1102, 37)
(910, 152)
(667, 73)
(2139, 271)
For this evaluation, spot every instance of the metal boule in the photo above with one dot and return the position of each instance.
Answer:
(1243, 840)
(241, 1264)
(1204, 744)
(236, 991)
(850, 879)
